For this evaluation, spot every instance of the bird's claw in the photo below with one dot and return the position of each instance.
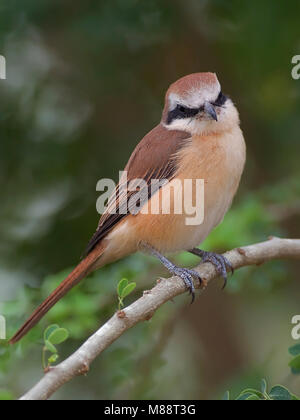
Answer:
(184, 273)
(220, 262)
(187, 276)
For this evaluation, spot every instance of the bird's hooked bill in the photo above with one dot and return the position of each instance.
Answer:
(210, 110)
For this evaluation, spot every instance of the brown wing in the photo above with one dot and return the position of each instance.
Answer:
(153, 158)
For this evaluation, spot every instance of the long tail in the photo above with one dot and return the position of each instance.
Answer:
(82, 270)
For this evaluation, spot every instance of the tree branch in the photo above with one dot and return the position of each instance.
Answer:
(145, 307)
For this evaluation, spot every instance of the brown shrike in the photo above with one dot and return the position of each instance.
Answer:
(198, 138)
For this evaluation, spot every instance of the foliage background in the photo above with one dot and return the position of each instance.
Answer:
(85, 81)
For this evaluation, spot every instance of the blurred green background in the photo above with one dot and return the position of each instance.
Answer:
(85, 81)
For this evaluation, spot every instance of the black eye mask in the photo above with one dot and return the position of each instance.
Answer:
(221, 99)
(184, 112)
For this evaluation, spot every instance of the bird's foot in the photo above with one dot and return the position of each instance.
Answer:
(221, 263)
(184, 273)
(187, 276)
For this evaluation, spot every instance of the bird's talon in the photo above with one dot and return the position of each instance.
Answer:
(184, 273)
(220, 262)
(225, 284)
(187, 276)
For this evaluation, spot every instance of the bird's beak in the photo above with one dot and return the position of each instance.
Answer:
(210, 110)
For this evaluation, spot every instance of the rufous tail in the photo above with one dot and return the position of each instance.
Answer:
(82, 270)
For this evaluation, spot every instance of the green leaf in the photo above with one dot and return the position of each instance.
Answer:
(128, 289)
(226, 396)
(121, 286)
(53, 358)
(280, 393)
(252, 391)
(49, 331)
(295, 350)
(253, 398)
(295, 398)
(243, 397)
(6, 395)
(264, 386)
(295, 363)
(58, 336)
(50, 347)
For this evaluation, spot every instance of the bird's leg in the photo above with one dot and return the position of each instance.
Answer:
(219, 261)
(184, 273)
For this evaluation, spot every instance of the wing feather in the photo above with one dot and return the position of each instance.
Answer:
(153, 158)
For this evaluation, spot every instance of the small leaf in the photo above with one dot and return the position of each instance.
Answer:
(253, 398)
(251, 391)
(128, 289)
(121, 286)
(226, 396)
(49, 346)
(295, 398)
(58, 336)
(264, 386)
(6, 395)
(53, 358)
(49, 331)
(280, 393)
(295, 350)
(295, 364)
(243, 397)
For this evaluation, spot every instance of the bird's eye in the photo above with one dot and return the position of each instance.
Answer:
(182, 109)
(181, 112)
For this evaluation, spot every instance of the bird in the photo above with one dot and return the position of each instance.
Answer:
(198, 137)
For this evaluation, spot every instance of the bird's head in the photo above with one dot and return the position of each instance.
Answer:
(196, 104)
